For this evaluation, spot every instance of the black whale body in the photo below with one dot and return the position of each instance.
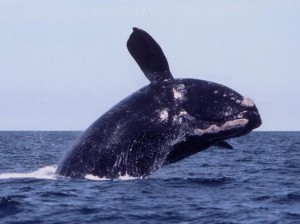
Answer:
(163, 122)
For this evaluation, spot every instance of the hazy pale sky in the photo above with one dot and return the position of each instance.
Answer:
(64, 63)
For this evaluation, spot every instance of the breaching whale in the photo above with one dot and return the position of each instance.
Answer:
(162, 123)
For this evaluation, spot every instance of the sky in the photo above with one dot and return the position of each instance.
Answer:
(64, 63)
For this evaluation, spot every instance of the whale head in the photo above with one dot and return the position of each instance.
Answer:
(219, 110)
(207, 114)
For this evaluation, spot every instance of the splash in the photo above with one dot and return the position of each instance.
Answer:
(47, 172)
(92, 177)
(125, 177)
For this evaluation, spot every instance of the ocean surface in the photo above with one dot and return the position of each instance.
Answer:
(256, 182)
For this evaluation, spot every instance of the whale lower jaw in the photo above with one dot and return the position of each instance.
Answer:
(232, 126)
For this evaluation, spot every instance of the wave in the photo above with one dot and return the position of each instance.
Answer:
(48, 173)
(196, 181)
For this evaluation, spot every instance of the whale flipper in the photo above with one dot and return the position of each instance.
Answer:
(149, 56)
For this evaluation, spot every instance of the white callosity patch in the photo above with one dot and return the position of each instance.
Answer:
(163, 114)
(229, 125)
(178, 92)
(247, 102)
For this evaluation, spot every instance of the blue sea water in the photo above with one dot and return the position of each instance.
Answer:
(256, 182)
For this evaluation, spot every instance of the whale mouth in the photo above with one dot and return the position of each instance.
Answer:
(216, 131)
(234, 126)
(227, 126)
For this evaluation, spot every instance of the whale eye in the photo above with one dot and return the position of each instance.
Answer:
(211, 102)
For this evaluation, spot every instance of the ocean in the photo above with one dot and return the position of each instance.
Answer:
(256, 182)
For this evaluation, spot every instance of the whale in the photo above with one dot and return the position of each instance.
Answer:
(164, 122)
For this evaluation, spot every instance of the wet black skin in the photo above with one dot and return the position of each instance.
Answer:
(151, 127)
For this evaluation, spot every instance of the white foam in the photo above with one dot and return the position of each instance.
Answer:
(47, 172)
(125, 177)
(92, 177)
(238, 123)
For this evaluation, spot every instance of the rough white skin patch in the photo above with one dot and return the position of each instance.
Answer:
(247, 102)
(178, 118)
(228, 111)
(238, 123)
(178, 92)
(182, 113)
(163, 115)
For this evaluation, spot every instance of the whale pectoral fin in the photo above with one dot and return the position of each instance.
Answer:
(224, 145)
(185, 149)
(149, 56)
